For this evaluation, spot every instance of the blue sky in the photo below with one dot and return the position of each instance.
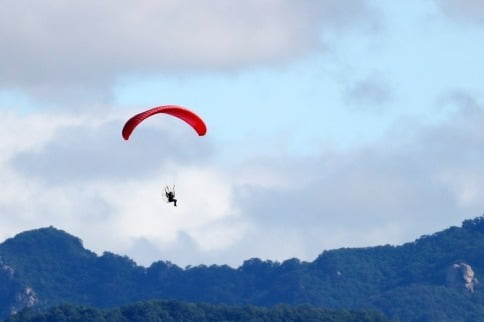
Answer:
(330, 124)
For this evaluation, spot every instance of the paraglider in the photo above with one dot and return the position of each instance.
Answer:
(170, 194)
(180, 112)
(186, 115)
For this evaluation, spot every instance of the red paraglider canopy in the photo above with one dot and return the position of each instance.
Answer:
(186, 115)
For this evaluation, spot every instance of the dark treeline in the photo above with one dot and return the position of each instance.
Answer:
(174, 311)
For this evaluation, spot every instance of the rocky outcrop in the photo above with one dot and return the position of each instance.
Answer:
(23, 299)
(461, 276)
(13, 296)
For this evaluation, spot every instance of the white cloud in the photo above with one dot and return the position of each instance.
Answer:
(385, 193)
(85, 45)
(31, 132)
(75, 176)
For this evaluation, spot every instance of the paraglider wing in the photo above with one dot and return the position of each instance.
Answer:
(186, 115)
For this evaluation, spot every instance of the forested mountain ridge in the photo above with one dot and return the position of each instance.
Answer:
(177, 311)
(434, 278)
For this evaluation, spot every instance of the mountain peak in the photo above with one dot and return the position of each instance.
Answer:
(45, 240)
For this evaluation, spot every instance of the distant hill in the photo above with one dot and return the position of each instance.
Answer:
(434, 278)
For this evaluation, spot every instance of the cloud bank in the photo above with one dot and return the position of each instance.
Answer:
(391, 192)
(56, 49)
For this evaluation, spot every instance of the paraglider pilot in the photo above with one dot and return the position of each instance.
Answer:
(170, 194)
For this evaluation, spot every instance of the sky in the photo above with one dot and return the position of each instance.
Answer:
(330, 124)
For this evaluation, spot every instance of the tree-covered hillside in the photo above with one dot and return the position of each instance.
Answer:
(434, 278)
(175, 311)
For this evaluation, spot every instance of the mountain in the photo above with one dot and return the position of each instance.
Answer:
(434, 278)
